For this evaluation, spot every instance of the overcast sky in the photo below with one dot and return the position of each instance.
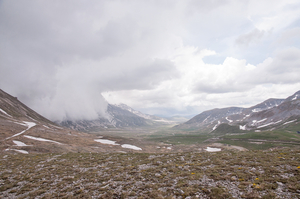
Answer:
(68, 58)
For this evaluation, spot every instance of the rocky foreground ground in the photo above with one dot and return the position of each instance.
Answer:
(227, 174)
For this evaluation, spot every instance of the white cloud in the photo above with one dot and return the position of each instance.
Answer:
(232, 83)
(148, 54)
(253, 36)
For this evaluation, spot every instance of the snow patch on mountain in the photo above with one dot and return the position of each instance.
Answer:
(261, 120)
(256, 110)
(111, 142)
(5, 112)
(214, 128)
(210, 149)
(243, 127)
(290, 122)
(29, 125)
(229, 120)
(105, 141)
(20, 151)
(129, 146)
(271, 123)
(296, 97)
(41, 139)
(18, 143)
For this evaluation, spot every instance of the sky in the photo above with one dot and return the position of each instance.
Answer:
(67, 59)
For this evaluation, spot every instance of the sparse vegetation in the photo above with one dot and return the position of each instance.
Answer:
(226, 174)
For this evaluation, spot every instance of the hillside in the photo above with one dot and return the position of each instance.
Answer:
(117, 117)
(22, 130)
(226, 174)
(39, 159)
(270, 114)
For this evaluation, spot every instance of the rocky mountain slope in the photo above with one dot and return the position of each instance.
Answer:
(269, 114)
(11, 108)
(138, 113)
(22, 130)
(118, 116)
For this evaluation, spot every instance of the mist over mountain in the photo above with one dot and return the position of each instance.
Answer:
(116, 116)
(22, 130)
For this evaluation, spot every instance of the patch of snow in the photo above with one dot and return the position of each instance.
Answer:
(206, 119)
(5, 112)
(46, 126)
(268, 124)
(256, 110)
(246, 117)
(229, 119)
(20, 123)
(31, 118)
(20, 151)
(129, 146)
(209, 149)
(105, 141)
(243, 127)
(41, 139)
(29, 124)
(290, 121)
(18, 143)
(265, 125)
(262, 120)
(214, 128)
(295, 97)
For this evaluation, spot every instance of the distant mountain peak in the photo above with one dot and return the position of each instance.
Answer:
(295, 96)
(143, 115)
(270, 113)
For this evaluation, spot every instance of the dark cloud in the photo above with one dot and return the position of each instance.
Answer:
(64, 54)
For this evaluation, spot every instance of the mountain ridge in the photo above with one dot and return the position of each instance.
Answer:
(269, 113)
(118, 116)
(22, 130)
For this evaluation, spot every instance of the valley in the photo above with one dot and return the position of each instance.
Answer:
(133, 155)
(229, 128)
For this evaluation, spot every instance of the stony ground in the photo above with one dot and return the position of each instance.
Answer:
(227, 174)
